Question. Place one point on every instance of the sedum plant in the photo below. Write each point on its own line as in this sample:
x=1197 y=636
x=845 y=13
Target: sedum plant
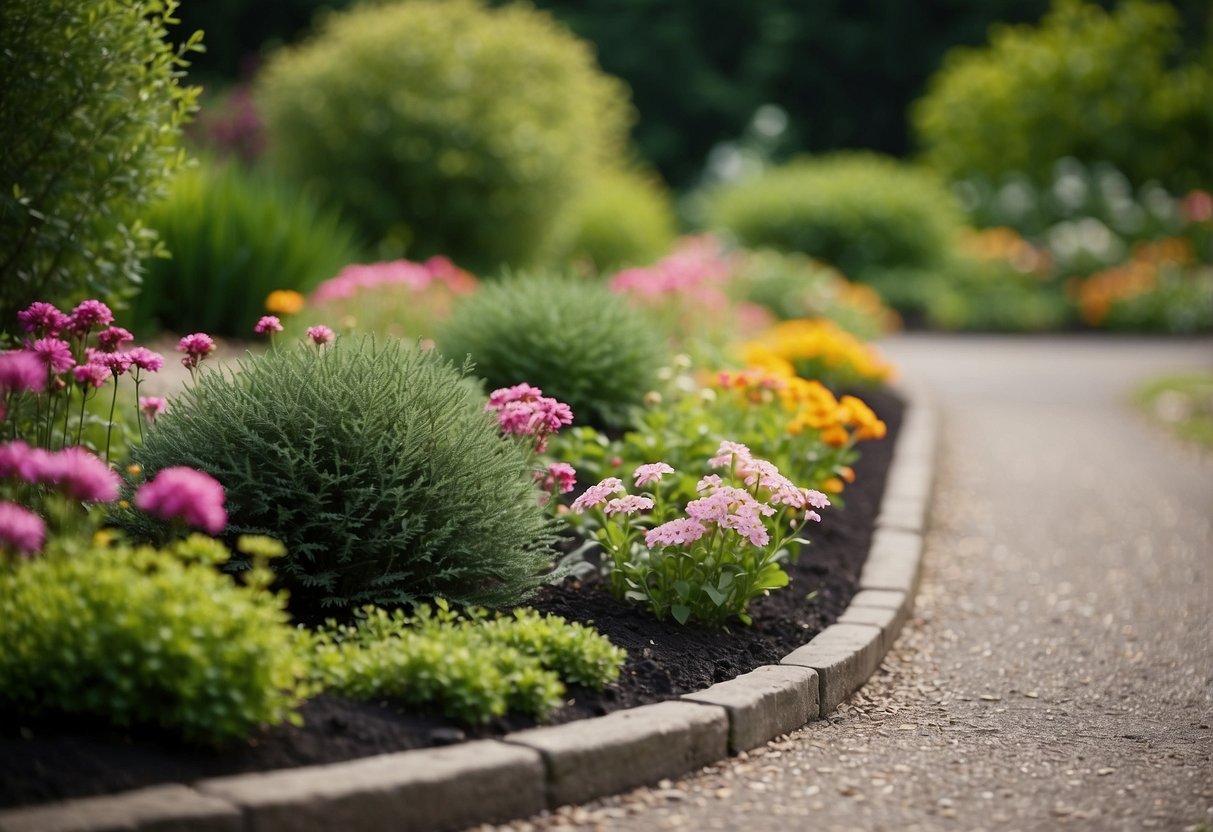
x=374 y=463
x=576 y=340
x=91 y=107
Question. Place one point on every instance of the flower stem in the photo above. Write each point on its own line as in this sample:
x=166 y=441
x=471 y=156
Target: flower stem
x=110 y=429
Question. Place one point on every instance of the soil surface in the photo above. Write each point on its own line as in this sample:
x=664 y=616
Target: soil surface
x=45 y=762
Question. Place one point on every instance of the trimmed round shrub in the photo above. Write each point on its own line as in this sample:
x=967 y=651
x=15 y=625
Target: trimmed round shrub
x=233 y=237
x=620 y=219
x=860 y=212
x=141 y=636
x=444 y=127
x=90 y=115
x=1096 y=85
x=575 y=340
x=375 y=464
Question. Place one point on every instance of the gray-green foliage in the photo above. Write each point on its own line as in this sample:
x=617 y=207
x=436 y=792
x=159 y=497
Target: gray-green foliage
x=575 y=340
x=143 y=636
x=90 y=113
x=376 y=466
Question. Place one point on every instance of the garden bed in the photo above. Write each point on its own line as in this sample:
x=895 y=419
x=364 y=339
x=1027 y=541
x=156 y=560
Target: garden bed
x=53 y=760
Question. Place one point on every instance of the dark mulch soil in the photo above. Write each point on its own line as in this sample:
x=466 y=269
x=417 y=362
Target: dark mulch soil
x=67 y=759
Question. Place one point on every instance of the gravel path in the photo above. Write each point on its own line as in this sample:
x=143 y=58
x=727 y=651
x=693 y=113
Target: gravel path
x=1059 y=670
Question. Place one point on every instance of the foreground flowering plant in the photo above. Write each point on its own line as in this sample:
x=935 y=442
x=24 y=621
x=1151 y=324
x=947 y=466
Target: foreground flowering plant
x=707 y=561
x=524 y=412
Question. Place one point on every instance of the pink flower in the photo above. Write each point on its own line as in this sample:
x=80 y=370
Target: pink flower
x=116 y=362
x=112 y=338
x=196 y=346
x=18 y=460
x=710 y=481
x=21 y=371
x=151 y=407
x=89 y=314
x=652 y=472
x=560 y=478
x=20 y=529
x=675 y=533
x=523 y=410
x=91 y=374
x=43 y=319
x=518 y=393
x=145 y=359
x=728 y=452
x=83 y=476
x=718 y=505
x=268 y=324
x=748 y=526
x=628 y=504
x=186 y=494
x=815 y=499
x=55 y=353
x=596 y=494
x=1197 y=206
x=320 y=334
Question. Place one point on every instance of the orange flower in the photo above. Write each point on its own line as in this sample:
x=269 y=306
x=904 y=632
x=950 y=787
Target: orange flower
x=284 y=302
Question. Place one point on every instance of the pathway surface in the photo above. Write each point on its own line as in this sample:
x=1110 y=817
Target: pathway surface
x=1058 y=673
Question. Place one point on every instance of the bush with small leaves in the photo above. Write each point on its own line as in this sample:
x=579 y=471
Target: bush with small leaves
x=620 y=218
x=374 y=463
x=136 y=636
x=576 y=340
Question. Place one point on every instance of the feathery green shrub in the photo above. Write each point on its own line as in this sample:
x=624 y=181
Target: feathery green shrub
x=621 y=218
x=91 y=107
x=575 y=340
x=141 y=636
x=233 y=237
x=443 y=126
x=860 y=212
x=374 y=463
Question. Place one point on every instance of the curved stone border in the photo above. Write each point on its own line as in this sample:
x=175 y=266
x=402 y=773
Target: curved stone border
x=526 y=772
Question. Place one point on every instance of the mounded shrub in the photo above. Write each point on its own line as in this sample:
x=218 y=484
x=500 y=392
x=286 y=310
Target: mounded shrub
x=444 y=127
x=233 y=237
x=621 y=218
x=88 y=142
x=1096 y=85
x=374 y=463
x=142 y=636
x=860 y=212
x=575 y=340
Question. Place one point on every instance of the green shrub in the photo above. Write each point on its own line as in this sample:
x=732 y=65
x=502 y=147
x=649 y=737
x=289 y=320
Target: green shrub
x=234 y=237
x=468 y=668
x=139 y=636
x=376 y=466
x=1087 y=83
x=90 y=115
x=860 y=212
x=444 y=127
x=620 y=219
x=577 y=341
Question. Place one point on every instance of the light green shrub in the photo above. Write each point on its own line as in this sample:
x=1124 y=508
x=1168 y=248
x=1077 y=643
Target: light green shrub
x=575 y=340
x=1096 y=85
x=90 y=116
x=621 y=218
x=233 y=237
x=376 y=466
x=140 y=636
x=860 y=212
x=444 y=127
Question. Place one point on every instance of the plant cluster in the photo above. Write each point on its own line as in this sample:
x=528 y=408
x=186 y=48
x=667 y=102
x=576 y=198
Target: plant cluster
x=471 y=667
x=818 y=349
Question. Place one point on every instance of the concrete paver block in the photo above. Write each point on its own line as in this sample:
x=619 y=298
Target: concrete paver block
x=769 y=701
x=625 y=749
x=893 y=561
x=844 y=656
x=909 y=480
x=430 y=789
x=905 y=513
x=886 y=620
x=899 y=603
x=155 y=809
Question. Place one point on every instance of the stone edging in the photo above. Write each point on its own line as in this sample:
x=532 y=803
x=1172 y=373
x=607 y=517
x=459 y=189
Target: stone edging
x=529 y=771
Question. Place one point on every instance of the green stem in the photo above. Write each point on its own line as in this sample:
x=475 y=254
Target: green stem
x=138 y=414
x=80 y=427
x=110 y=429
x=67 y=412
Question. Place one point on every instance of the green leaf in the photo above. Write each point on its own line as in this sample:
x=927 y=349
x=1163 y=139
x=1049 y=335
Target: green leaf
x=681 y=613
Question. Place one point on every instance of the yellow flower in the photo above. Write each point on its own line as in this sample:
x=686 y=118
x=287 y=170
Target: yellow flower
x=284 y=302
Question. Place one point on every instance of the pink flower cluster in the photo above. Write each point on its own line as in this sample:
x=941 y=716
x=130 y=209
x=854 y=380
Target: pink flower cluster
x=74 y=471
x=21 y=371
x=185 y=494
x=21 y=530
x=403 y=273
x=523 y=410
x=320 y=335
x=652 y=472
x=196 y=346
x=758 y=473
x=268 y=325
x=597 y=494
x=559 y=478
x=151 y=407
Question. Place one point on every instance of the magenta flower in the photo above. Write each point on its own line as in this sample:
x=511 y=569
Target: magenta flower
x=596 y=494
x=20 y=529
x=523 y=410
x=675 y=533
x=502 y=396
x=87 y=315
x=320 y=335
x=21 y=371
x=83 y=476
x=652 y=472
x=55 y=353
x=151 y=407
x=268 y=324
x=145 y=359
x=185 y=494
x=43 y=319
x=196 y=346
x=116 y=362
x=19 y=461
x=112 y=338
x=560 y=478
x=628 y=504
x=91 y=374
